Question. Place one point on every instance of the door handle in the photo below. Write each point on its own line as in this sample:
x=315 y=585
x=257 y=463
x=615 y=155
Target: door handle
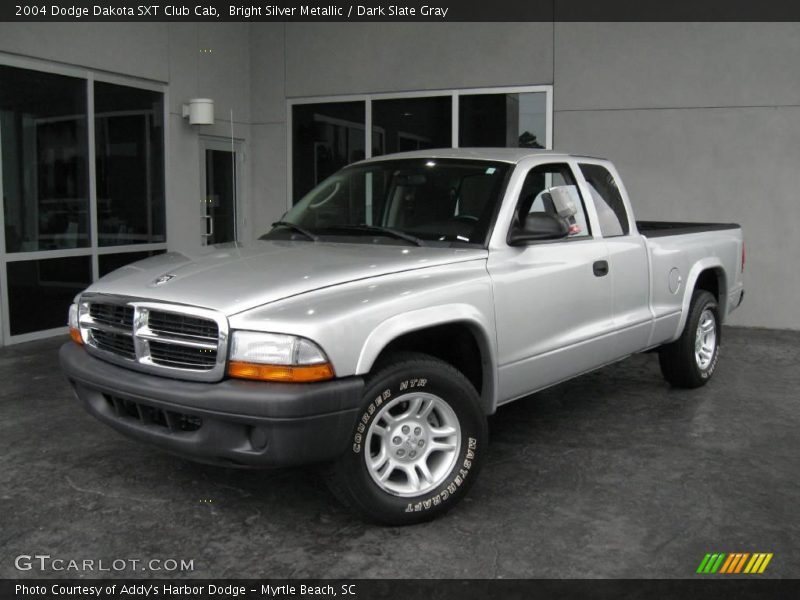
x=209 y=226
x=600 y=268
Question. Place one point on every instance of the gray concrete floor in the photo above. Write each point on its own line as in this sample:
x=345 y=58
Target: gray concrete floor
x=611 y=475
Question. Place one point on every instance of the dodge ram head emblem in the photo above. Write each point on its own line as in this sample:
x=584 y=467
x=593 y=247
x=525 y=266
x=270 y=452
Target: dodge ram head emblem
x=164 y=279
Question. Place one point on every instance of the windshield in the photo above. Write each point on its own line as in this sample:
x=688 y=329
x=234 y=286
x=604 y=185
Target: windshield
x=423 y=201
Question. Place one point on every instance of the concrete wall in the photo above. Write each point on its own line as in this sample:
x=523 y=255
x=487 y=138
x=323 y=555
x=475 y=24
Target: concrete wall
x=703 y=121
x=350 y=58
x=269 y=143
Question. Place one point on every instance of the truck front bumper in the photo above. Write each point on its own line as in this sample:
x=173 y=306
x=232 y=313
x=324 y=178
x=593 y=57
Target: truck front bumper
x=232 y=422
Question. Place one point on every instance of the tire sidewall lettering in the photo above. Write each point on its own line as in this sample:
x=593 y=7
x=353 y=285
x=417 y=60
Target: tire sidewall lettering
x=450 y=488
x=361 y=426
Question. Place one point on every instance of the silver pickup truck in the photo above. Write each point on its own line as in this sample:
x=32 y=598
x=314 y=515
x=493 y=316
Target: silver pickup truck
x=393 y=308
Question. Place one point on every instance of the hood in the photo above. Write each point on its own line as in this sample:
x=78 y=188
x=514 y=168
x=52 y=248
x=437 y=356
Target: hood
x=232 y=278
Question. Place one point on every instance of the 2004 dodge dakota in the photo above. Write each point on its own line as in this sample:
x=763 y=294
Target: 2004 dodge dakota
x=393 y=308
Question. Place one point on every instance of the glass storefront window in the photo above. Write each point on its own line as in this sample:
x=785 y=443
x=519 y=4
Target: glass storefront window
x=326 y=137
x=44 y=160
x=330 y=135
x=503 y=120
x=47 y=197
x=111 y=262
x=129 y=151
x=403 y=124
x=40 y=291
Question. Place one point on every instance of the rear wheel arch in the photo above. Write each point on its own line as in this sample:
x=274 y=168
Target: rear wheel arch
x=708 y=275
x=712 y=280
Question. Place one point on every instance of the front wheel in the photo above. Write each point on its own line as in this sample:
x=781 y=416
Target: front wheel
x=418 y=444
x=690 y=361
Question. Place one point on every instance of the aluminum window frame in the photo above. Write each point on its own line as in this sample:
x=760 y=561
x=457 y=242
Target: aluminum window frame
x=93 y=251
x=454 y=93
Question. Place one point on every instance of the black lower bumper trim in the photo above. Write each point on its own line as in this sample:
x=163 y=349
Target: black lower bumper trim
x=239 y=423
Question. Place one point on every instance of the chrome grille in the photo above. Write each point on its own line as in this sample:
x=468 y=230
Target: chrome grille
x=180 y=356
x=165 y=339
x=118 y=343
x=182 y=325
x=115 y=315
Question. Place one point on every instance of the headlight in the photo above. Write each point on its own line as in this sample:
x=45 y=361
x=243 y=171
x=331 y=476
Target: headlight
x=277 y=357
x=74 y=326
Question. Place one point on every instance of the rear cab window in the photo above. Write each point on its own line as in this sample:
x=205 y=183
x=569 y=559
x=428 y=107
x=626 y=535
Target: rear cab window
x=608 y=202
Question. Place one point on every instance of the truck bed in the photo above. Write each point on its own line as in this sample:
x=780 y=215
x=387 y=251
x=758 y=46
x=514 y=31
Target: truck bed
x=653 y=229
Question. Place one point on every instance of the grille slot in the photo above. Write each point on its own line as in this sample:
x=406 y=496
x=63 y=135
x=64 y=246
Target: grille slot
x=184 y=326
x=113 y=315
x=182 y=357
x=118 y=343
x=150 y=415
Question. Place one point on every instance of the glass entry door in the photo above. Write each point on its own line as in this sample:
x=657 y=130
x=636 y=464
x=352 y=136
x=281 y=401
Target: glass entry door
x=219 y=173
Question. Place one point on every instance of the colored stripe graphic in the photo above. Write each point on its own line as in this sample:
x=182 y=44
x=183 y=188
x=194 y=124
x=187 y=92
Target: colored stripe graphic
x=711 y=563
x=727 y=564
x=767 y=558
x=730 y=565
x=703 y=563
x=740 y=564
x=734 y=563
x=717 y=563
x=754 y=563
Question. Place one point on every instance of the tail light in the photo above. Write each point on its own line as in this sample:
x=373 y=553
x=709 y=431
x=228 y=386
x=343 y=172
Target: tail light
x=744 y=256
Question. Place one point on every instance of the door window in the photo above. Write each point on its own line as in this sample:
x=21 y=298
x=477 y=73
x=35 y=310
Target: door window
x=220 y=199
x=607 y=200
x=535 y=197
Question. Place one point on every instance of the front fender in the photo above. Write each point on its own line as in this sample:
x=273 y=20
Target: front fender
x=445 y=314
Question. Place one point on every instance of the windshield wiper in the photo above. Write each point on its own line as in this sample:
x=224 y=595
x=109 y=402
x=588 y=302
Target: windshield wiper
x=401 y=235
x=296 y=228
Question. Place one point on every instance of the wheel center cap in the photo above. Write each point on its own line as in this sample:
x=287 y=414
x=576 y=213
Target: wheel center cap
x=409 y=440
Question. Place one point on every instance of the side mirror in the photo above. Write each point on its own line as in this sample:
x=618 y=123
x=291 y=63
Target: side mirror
x=563 y=201
x=537 y=227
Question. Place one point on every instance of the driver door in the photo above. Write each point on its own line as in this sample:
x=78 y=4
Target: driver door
x=553 y=298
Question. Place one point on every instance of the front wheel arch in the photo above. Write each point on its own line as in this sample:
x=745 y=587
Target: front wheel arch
x=413 y=331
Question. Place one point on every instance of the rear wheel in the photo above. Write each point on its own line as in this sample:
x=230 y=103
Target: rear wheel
x=418 y=444
x=690 y=361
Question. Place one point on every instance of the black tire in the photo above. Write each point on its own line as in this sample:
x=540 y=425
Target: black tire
x=679 y=364
x=400 y=377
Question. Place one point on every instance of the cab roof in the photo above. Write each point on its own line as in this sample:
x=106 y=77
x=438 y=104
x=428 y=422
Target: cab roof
x=509 y=155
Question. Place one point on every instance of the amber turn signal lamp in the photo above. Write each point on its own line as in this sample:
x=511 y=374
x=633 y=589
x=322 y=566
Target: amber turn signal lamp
x=301 y=374
x=75 y=334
